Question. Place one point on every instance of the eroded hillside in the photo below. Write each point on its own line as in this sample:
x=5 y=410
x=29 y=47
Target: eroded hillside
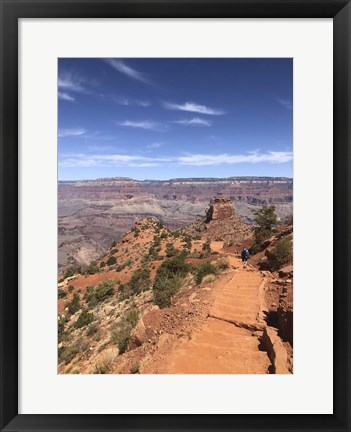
x=94 y=213
x=174 y=302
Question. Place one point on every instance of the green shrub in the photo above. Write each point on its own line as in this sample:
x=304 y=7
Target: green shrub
x=102 y=264
x=111 y=260
x=170 y=250
x=92 y=269
x=121 y=331
x=84 y=319
x=124 y=292
x=69 y=272
x=70 y=288
x=92 y=329
x=140 y=281
x=203 y=270
x=74 y=305
x=89 y=297
x=281 y=253
x=168 y=280
x=206 y=247
x=166 y=288
x=61 y=293
x=104 y=290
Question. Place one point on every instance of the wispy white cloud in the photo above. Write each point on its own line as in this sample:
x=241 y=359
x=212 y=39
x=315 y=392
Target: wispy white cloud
x=286 y=103
x=81 y=160
x=196 y=121
x=122 y=67
x=145 y=124
x=66 y=96
x=63 y=133
x=71 y=82
x=132 y=102
x=228 y=159
x=193 y=107
x=154 y=145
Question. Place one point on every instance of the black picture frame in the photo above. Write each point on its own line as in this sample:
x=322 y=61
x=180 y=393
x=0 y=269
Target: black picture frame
x=11 y=11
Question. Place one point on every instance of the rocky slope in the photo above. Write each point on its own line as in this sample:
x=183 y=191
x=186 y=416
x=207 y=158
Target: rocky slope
x=92 y=214
x=224 y=317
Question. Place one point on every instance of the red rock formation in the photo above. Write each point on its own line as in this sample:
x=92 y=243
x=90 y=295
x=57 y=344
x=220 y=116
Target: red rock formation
x=222 y=208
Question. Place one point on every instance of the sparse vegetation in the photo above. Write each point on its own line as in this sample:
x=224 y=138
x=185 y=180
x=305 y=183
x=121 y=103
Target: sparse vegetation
x=168 y=280
x=111 y=260
x=104 y=363
x=70 y=288
x=84 y=319
x=206 y=247
x=140 y=281
x=222 y=263
x=61 y=293
x=104 y=290
x=66 y=354
x=92 y=329
x=121 y=331
x=281 y=253
x=74 y=305
x=92 y=269
x=203 y=270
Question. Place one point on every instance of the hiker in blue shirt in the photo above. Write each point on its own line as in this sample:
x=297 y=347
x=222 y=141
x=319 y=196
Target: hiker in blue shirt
x=244 y=255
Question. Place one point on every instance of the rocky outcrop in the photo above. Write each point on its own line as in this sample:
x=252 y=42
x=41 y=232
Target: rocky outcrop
x=221 y=208
x=285 y=314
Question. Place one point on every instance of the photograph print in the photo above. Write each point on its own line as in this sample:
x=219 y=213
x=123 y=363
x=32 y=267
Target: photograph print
x=175 y=216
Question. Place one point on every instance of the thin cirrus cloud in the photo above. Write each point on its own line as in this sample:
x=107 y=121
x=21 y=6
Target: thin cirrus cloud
x=154 y=145
x=286 y=103
x=193 y=107
x=69 y=83
x=228 y=159
x=66 y=96
x=122 y=160
x=196 y=121
x=132 y=102
x=64 y=133
x=122 y=67
x=145 y=124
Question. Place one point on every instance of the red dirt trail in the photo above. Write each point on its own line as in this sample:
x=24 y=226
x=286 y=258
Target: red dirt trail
x=227 y=342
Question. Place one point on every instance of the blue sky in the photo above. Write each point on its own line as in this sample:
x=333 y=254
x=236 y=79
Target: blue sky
x=167 y=118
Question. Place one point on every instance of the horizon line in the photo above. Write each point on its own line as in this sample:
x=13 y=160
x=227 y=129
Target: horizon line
x=178 y=178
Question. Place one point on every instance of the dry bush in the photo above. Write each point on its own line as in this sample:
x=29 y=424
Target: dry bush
x=208 y=279
x=222 y=263
x=104 y=362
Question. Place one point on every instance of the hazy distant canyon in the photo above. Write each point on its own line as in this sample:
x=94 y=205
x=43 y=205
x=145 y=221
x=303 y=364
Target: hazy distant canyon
x=94 y=213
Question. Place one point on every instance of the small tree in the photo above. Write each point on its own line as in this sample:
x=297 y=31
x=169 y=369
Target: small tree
x=265 y=219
